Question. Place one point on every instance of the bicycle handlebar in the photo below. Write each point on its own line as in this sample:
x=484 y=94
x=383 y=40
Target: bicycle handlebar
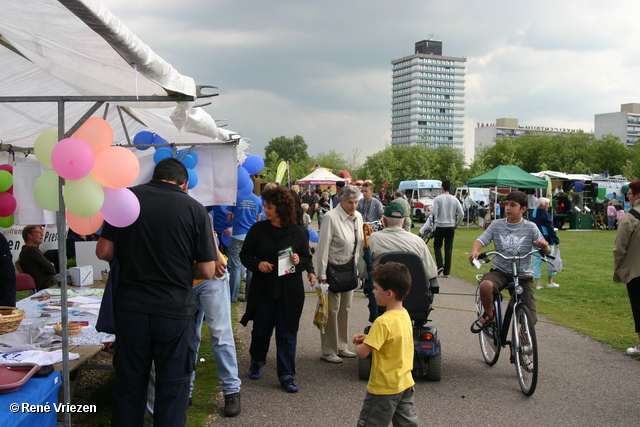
x=485 y=255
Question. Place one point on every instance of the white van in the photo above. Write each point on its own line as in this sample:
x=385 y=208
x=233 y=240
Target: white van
x=421 y=193
x=477 y=194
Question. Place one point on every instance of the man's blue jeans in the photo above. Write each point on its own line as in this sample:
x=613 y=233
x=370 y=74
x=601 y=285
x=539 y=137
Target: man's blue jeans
x=212 y=300
x=235 y=268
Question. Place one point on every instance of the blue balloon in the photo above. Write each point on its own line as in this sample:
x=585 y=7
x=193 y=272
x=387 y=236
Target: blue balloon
x=161 y=154
x=313 y=235
x=193 y=179
x=157 y=139
x=246 y=190
x=190 y=160
x=143 y=138
x=253 y=164
x=243 y=177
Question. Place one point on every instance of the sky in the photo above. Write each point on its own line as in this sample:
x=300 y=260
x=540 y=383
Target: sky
x=322 y=69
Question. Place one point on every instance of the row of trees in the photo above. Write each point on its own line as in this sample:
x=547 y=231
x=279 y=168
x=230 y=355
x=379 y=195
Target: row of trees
x=533 y=152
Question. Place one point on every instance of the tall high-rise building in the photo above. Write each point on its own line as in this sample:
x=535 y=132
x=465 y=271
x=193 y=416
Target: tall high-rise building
x=624 y=124
x=428 y=97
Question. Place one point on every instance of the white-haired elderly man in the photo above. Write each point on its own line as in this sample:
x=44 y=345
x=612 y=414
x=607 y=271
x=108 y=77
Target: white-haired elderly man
x=394 y=238
x=341 y=241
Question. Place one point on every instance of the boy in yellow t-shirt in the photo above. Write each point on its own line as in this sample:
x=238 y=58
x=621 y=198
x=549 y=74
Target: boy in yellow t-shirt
x=390 y=389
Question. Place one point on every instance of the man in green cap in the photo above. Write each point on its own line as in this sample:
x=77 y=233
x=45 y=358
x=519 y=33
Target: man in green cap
x=394 y=238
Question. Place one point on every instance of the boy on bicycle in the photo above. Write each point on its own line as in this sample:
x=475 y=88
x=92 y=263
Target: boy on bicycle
x=390 y=390
x=512 y=235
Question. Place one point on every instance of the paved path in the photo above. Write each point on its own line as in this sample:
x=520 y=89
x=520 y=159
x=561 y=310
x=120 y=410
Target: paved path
x=581 y=381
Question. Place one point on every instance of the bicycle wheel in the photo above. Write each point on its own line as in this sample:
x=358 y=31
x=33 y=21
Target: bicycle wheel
x=527 y=351
x=489 y=339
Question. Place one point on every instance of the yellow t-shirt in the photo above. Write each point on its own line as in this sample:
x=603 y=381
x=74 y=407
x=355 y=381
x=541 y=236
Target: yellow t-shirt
x=391 y=337
x=196 y=281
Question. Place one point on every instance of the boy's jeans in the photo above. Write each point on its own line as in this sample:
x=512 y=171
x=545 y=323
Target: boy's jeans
x=212 y=300
x=235 y=268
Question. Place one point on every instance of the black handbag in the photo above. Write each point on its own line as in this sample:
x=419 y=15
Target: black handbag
x=344 y=277
x=107 y=315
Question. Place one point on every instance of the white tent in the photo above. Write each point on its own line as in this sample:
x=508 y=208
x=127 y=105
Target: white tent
x=64 y=60
x=77 y=47
x=320 y=176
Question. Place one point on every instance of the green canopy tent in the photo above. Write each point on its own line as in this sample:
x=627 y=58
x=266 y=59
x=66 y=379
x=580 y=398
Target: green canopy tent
x=507 y=176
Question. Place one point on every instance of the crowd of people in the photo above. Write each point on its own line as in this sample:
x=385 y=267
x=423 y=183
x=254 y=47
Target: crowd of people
x=175 y=275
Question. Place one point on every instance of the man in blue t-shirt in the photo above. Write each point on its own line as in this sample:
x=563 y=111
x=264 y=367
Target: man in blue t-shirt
x=578 y=190
x=242 y=216
x=220 y=224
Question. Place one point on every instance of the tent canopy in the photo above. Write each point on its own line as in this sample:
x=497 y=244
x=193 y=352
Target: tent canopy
x=507 y=176
x=78 y=48
x=320 y=176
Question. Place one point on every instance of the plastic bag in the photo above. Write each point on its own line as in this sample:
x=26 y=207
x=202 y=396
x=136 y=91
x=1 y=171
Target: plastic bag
x=321 y=316
x=556 y=263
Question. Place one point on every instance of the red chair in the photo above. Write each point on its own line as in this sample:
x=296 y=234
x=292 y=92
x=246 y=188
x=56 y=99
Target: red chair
x=19 y=267
x=24 y=282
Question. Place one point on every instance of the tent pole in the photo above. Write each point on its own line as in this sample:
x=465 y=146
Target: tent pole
x=62 y=262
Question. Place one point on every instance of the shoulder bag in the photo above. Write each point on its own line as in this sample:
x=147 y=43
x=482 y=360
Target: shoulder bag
x=344 y=277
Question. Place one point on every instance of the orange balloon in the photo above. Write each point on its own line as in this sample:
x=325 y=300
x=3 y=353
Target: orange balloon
x=116 y=167
x=96 y=132
x=84 y=225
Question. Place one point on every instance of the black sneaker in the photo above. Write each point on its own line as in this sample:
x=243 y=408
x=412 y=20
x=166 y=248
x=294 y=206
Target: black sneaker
x=254 y=371
x=290 y=386
x=232 y=404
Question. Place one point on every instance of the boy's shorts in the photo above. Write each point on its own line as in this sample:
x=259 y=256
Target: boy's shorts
x=382 y=410
x=501 y=280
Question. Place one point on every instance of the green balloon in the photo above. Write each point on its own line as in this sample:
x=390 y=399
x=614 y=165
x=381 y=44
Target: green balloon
x=45 y=191
x=6 y=221
x=6 y=180
x=83 y=197
x=44 y=146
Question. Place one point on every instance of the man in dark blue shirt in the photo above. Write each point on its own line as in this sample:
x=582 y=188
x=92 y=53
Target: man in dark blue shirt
x=169 y=245
x=578 y=189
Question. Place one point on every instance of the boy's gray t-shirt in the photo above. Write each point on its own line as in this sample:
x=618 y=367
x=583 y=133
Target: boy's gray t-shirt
x=512 y=239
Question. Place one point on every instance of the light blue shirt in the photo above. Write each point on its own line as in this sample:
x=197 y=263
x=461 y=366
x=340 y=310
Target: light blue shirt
x=511 y=239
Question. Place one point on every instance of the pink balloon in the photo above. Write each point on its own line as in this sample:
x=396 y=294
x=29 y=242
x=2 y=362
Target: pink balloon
x=116 y=167
x=121 y=207
x=72 y=158
x=96 y=132
x=6 y=167
x=84 y=225
x=8 y=204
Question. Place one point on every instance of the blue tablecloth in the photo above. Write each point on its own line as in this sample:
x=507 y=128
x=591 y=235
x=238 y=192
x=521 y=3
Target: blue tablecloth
x=89 y=335
x=36 y=391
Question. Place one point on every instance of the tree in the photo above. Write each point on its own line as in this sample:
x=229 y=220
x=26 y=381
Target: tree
x=570 y=153
x=290 y=149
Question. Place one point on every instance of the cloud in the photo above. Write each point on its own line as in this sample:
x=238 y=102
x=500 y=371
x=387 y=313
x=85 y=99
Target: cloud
x=323 y=69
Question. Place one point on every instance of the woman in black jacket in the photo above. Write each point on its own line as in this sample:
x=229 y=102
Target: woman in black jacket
x=277 y=252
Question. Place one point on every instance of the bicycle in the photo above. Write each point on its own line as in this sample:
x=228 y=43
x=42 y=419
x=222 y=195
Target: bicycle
x=493 y=336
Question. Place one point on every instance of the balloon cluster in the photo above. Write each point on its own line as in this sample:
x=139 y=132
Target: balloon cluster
x=252 y=165
x=96 y=175
x=190 y=159
x=8 y=203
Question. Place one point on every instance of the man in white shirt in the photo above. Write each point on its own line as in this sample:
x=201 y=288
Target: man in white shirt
x=447 y=214
x=369 y=207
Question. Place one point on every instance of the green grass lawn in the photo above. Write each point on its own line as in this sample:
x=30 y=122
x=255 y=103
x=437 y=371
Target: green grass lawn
x=588 y=299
